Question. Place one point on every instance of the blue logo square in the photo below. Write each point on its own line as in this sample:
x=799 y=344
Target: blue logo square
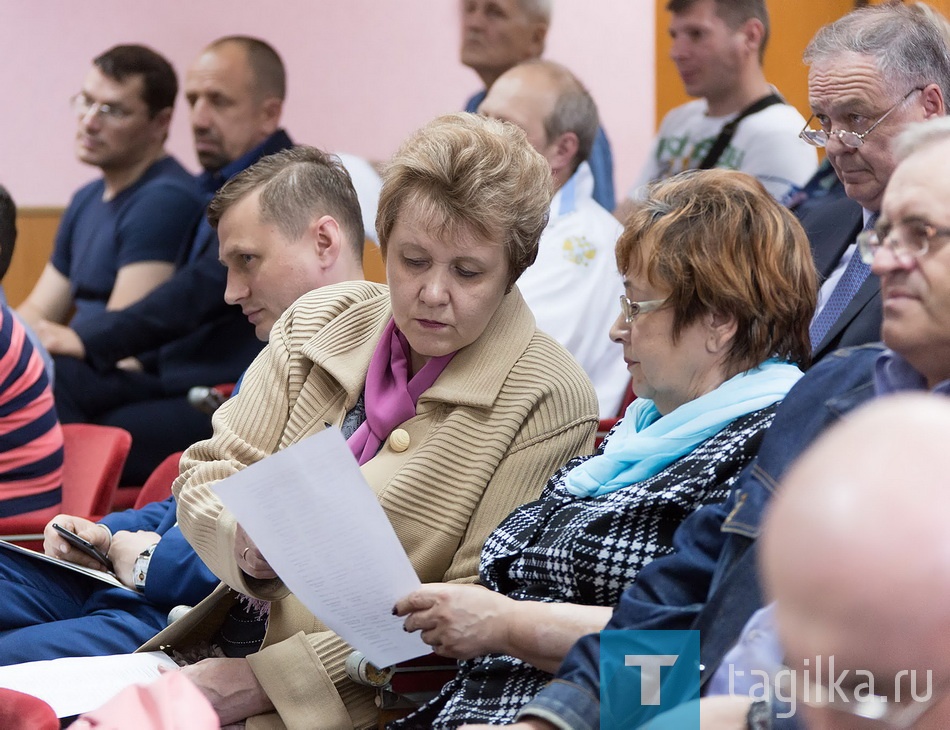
x=646 y=673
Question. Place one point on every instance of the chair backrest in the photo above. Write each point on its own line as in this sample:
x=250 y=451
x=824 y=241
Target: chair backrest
x=19 y=711
x=374 y=268
x=158 y=486
x=93 y=457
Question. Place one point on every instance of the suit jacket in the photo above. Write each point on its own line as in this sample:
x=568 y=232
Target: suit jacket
x=832 y=225
x=202 y=338
x=176 y=575
x=507 y=411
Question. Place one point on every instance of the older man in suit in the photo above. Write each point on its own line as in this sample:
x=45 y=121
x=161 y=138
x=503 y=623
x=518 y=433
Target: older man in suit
x=861 y=98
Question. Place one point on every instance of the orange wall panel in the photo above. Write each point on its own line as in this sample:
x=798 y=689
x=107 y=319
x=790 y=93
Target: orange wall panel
x=36 y=228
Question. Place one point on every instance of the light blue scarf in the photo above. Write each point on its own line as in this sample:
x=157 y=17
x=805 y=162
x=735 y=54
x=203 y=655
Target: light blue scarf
x=645 y=442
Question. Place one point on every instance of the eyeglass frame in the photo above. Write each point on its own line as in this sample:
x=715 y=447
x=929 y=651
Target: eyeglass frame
x=630 y=309
x=858 y=137
x=871 y=241
x=874 y=707
x=82 y=105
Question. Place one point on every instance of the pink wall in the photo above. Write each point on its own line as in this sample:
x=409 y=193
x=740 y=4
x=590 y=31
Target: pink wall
x=362 y=73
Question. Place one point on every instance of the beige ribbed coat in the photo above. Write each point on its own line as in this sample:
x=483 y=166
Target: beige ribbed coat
x=503 y=416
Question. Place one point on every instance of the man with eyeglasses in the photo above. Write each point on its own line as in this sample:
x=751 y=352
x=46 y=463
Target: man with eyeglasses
x=183 y=333
x=121 y=234
x=871 y=73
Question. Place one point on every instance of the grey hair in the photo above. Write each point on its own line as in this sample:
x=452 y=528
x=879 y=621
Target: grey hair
x=907 y=47
x=574 y=110
x=537 y=9
x=920 y=135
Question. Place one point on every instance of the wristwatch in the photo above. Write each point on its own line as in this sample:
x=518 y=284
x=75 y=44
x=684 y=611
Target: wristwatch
x=140 y=568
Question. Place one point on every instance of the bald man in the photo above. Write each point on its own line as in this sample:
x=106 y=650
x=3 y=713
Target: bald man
x=499 y=34
x=856 y=553
x=573 y=285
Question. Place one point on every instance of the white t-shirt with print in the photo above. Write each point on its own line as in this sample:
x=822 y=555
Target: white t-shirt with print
x=573 y=288
x=765 y=145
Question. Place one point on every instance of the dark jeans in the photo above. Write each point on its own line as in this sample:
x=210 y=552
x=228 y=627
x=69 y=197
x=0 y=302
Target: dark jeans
x=160 y=424
x=50 y=612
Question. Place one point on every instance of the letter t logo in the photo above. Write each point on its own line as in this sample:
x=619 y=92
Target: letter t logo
x=650 y=665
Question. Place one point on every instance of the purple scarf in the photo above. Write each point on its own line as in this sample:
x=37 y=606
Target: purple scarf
x=390 y=395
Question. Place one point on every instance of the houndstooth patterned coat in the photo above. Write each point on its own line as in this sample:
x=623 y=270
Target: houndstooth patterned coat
x=568 y=549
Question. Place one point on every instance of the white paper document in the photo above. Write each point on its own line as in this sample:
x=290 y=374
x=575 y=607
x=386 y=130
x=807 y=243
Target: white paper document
x=75 y=685
x=318 y=523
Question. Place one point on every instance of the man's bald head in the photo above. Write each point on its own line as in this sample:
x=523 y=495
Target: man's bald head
x=554 y=109
x=855 y=549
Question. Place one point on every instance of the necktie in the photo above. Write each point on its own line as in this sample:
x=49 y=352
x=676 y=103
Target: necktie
x=854 y=275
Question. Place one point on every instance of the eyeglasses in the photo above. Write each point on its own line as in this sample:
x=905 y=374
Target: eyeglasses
x=819 y=137
x=82 y=105
x=909 y=239
x=899 y=712
x=632 y=309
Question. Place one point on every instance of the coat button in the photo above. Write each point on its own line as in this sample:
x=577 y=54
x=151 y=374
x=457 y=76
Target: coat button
x=399 y=440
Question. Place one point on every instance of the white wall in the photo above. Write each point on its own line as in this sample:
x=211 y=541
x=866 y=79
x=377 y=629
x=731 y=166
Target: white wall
x=362 y=73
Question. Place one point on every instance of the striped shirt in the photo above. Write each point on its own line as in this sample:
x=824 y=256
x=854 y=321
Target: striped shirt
x=31 y=440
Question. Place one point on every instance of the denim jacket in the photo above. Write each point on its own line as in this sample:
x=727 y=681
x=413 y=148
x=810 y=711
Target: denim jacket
x=710 y=582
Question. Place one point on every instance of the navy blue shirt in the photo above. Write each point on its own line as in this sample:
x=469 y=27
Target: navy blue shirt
x=151 y=220
x=201 y=338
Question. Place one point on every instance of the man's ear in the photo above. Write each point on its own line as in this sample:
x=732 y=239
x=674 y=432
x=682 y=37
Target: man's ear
x=565 y=152
x=753 y=33
x=933 y=102
x=271 y=109
x=327 y=239
x=161 y=122
x=721 y=329
x=538 y=34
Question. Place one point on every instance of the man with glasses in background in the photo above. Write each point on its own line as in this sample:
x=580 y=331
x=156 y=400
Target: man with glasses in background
x=871 y=73
x=121 y=234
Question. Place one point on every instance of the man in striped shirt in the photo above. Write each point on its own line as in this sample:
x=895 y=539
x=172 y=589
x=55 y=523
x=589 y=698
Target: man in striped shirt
x=31 y=441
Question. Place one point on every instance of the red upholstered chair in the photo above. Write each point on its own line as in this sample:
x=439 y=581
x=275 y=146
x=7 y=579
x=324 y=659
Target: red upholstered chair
x=19 y=711
x=93 y=457
x=158 y=486
x=92 y=464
